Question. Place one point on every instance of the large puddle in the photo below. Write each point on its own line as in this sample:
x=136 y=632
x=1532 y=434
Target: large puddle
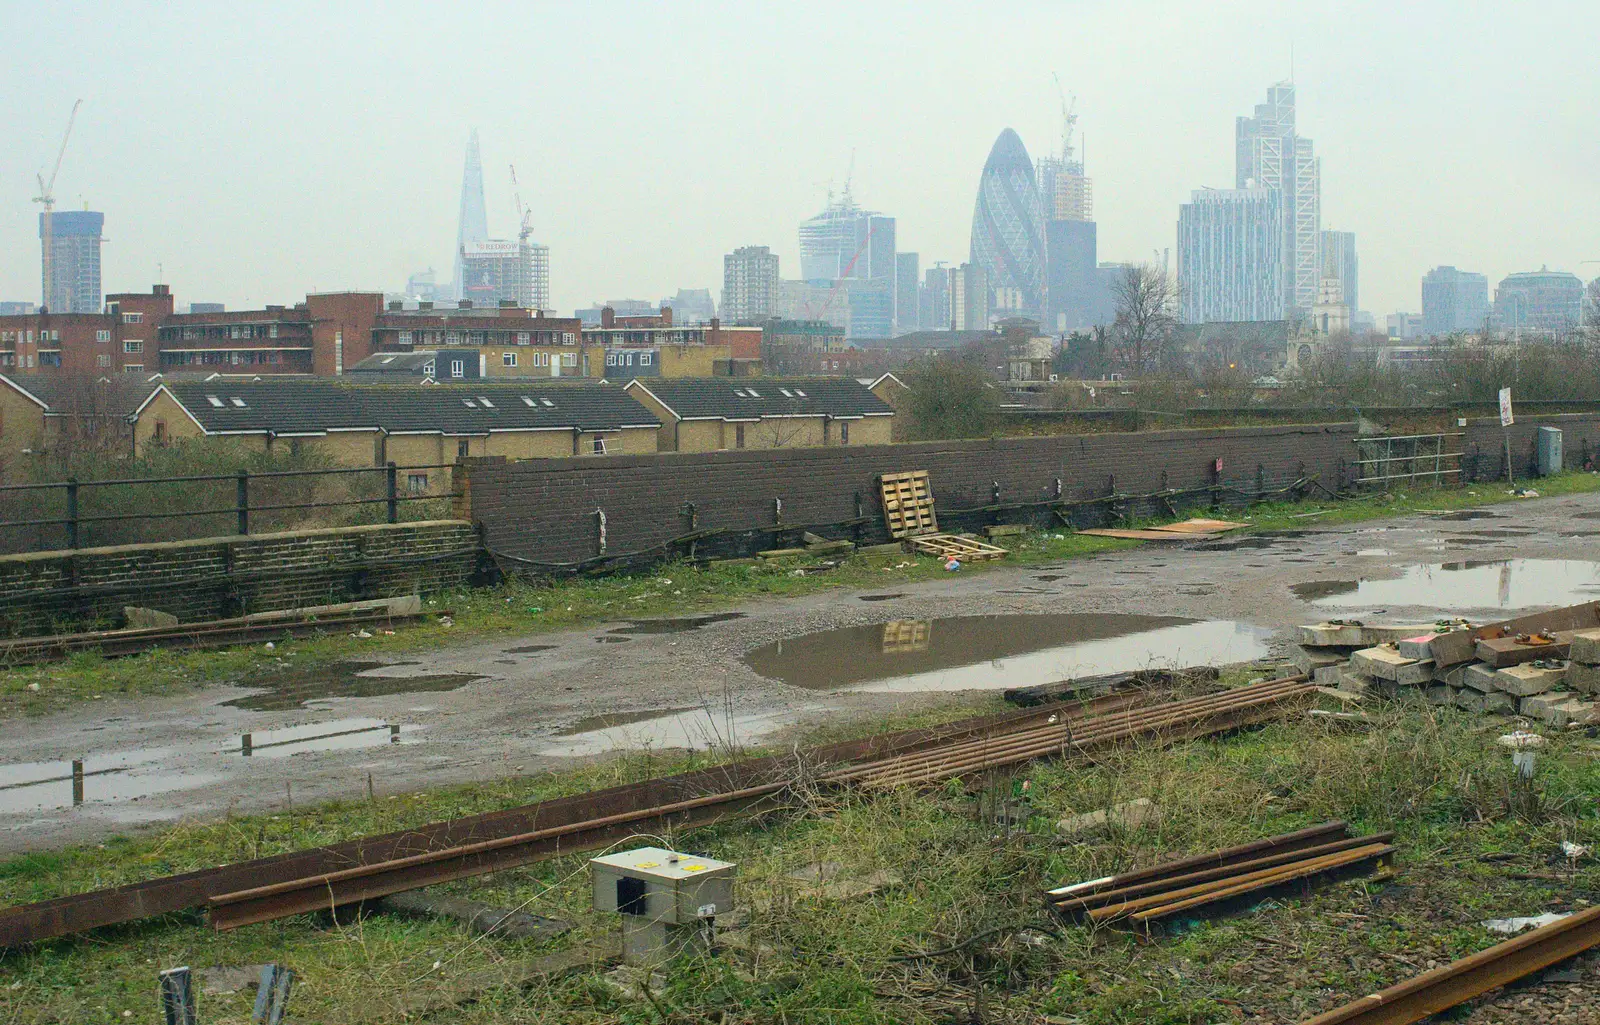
x=991 y=652
x=123 y=776
x=659 y=728
x=1500 y=584
x=288 y=687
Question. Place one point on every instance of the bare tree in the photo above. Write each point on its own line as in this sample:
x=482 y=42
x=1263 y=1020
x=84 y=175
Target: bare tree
x=1147 y=316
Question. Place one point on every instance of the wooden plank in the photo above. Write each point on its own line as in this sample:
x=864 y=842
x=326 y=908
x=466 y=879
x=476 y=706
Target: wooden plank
x=1460 y=645
x=1199 y=525
x=1147 y=535
x=949 y=546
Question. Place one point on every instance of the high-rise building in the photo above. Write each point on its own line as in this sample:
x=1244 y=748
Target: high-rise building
x=1230 y=256
x=749 y=285
x=1008 y=235
x=845 y=241
x=17 y=309
x=70 y=271
x=496 y=271
x=1339 y=262
x=970 y=293
x=1453 y=300
x=907 y=307
x=1269 y=154
x=1076 y=298
x=691 y=306
x=871 y=304
x=473 y=224
x=933 y=299
x=1543 y=301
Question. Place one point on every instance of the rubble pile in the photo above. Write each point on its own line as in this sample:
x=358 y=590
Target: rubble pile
x=1514 y=668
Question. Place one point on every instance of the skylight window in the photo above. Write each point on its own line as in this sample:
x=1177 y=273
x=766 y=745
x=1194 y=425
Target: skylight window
x=752 y=393
x=800 y=393
x=485 y=400
x=787 y=393
x=387 y=360
x=237 y=401
x=214 y=401
x=547 y=402
x=739 y=392
x=469 y=403
x=527 y=401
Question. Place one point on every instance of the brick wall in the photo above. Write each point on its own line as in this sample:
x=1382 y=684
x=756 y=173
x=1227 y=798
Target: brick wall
x=48 y=592
x=545 y=511
x=1484 y=446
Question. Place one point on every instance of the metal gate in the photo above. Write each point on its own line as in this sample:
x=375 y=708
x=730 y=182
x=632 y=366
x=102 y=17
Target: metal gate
x=1408 y=458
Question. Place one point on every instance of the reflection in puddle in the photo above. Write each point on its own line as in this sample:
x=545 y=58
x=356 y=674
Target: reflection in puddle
x=686 y=728
x=881 y=597
x=606 y=639
x=125 y=776
x=291 y=688
x=1507 y=584
x=591 y=723
x=530 y=649
x=339 y=735
x=678 y=625
x=990 y=652
x=1470 y=514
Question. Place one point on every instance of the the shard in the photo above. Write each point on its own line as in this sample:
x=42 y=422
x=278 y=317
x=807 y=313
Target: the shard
x=474 y=223
x=1008 y=238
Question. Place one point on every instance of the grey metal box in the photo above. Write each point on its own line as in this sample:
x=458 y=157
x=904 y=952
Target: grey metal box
x=1549 y=450
x=678 y=889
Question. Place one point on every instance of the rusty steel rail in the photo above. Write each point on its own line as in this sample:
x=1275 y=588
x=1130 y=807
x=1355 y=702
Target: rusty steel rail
x=63 y=916
x=922 y=765
x=1460 y=981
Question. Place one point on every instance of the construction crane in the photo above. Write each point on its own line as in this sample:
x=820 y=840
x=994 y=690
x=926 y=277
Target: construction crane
x=524 y=215
x=1069 y=120
x=47 y=198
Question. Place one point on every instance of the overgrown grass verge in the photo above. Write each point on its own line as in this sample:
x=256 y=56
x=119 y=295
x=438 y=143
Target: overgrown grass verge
x=1435 y=777
x=518 y=609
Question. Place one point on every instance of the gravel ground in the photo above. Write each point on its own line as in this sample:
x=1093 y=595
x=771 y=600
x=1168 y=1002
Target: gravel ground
x=187 y=749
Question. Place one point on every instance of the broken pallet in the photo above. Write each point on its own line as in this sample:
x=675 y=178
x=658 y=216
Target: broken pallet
x=908 y=503
x=950 y=546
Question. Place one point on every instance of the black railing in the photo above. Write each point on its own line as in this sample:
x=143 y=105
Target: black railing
x=74 y=514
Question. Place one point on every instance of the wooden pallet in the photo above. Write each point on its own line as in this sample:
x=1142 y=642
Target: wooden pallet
x=908 y=503
x=949 y=546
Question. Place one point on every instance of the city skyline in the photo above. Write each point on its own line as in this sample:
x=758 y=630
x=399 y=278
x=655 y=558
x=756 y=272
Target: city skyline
x=350 y=181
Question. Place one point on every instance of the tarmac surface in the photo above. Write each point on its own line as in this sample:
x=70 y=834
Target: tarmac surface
x=485 y=709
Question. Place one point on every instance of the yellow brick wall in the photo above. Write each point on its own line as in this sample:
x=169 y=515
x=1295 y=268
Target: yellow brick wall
x=341 y=448
x=691 y=360
x=782 y=432
x=872 y=430
x=162 y=409
x=528 y=444
x=21 y=425
x=494 y=360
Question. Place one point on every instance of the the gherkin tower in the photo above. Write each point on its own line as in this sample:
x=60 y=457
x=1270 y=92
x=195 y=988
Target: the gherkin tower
x=1008 y=239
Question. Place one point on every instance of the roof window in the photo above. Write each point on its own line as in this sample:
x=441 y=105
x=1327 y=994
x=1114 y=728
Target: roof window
x=387 y=360
x=527 y=401
x=547 y=402
x=214 y=401
x=800 y=393
x=469 y=403
x=752 y=393
x=485 y=400
x=237 y=401
x=787 y=393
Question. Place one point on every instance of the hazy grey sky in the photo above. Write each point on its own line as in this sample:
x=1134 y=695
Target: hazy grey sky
x=259 y=151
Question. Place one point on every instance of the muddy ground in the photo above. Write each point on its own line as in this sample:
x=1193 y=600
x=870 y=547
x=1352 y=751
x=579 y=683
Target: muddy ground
x=485 y=709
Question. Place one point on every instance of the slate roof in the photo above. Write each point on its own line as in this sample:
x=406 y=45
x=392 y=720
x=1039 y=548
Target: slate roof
x=316 y=406
x=750 y=398
x=410 y=363
x=116 y=394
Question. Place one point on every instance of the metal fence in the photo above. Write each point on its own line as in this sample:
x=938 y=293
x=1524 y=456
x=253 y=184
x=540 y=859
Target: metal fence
x=1407 y=458
x=71 y=514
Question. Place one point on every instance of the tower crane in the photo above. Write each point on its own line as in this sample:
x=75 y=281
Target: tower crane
x=524 y=215
x=47 y=199
x=1069 y=120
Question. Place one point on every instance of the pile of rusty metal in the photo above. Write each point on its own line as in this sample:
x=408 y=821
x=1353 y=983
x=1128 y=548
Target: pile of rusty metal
x=359 y=870
x=1148 y=899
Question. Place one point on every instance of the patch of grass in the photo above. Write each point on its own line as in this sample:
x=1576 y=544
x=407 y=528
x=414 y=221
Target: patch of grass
x=898 y=955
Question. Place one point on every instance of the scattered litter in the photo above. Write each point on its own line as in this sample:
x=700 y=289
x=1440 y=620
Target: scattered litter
x=33 y=687
x=1574 y=851
x=1512 y=926
x=953 y=565
x=269 y=646
x=1129 y=815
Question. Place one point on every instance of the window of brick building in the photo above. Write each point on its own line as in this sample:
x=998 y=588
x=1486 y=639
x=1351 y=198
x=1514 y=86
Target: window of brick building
x=508 y=359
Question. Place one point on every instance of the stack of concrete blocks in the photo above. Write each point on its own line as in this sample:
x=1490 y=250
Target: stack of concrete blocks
x=1399 y=664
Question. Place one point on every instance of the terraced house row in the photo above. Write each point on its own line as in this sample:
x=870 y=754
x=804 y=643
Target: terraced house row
x=350 y=423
